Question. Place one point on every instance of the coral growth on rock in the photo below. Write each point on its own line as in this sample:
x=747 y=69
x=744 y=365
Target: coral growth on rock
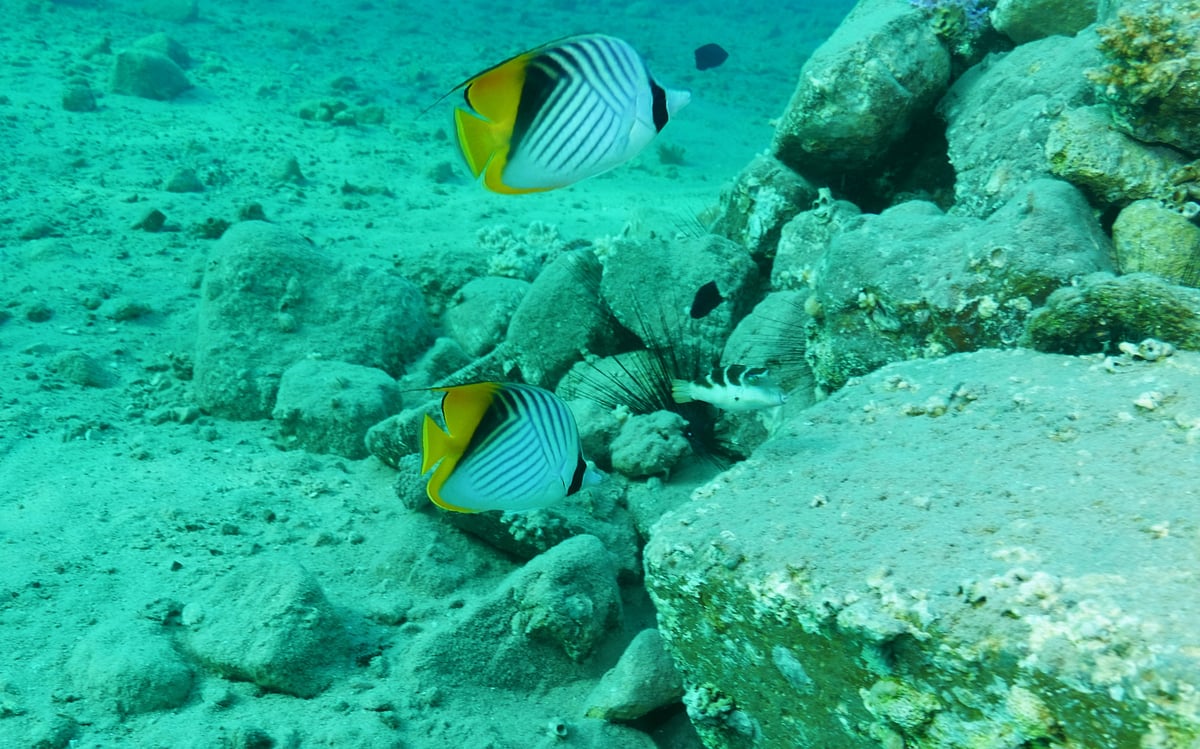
x=1152 y=75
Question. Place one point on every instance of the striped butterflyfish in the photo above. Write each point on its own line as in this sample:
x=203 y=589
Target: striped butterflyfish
x=732 y=388
x=560 y=113
x=506 y=446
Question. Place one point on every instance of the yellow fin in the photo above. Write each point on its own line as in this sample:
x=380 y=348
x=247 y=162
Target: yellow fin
x=463 y=407
x=485 y=132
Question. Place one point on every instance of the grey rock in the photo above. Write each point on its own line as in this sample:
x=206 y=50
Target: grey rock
x=130 y=667
x=269 y=623
x=164 y=44
x=650 y=285
x=803 y=240
x=764 y=197
x=1026 y=20
x=1148 y=237
x=81 y=369
x=328 y=406
x=596 y=511
x=479 y=314
x=148 y=74
x=913 y=282
x=425 y=557
x=78 y=96
x=862 y=90
x=184 y=180
x=644 y=680
x=559 y=318
x=270 y=299
x=650 y=444
x=774 y=335
x=1102 y=310
x=1086 y=148
x=968 y=551
x=398 y=436
x=999 y=114
x=535 y=629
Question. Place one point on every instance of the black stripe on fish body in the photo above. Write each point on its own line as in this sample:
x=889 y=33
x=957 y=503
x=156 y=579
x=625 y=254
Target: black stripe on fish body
x=732 y=375
x=577 y=478
x=542 y=76
x=659 y=105
x=721 y=377
x=574 y=124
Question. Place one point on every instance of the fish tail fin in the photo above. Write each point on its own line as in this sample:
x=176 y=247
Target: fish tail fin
x=681 y=391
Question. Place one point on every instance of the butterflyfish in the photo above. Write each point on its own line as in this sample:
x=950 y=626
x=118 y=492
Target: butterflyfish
x=733 y=388
x=560 y=113
x=506 y=446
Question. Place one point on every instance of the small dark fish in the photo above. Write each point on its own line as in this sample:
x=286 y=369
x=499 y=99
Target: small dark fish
x=710 y=56
x=706 y=300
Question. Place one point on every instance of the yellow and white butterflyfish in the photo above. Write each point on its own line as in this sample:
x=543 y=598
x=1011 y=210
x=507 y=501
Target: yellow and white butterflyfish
x=506 y=446
x=560 y=113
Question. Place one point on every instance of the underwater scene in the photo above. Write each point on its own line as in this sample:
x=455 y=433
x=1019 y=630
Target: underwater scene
x=632 y=375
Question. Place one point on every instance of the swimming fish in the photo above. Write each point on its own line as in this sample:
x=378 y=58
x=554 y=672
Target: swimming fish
x=734 y=388
x=710 y=56
x=707 y=298
x=560 y=113
x=506 y=446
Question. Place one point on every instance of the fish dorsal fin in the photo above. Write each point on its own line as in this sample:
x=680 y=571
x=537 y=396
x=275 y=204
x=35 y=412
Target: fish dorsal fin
x=529 y=53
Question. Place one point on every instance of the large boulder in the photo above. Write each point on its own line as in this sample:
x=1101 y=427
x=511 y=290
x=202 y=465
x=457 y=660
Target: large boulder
x=862 y=90
x=913 y=281
x=986 y=550
x=1000 y=112
x=269 y=299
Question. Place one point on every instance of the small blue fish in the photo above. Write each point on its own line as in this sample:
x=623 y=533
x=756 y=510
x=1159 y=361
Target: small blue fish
x=734 y=388
x=560 y=113
x=506 y=446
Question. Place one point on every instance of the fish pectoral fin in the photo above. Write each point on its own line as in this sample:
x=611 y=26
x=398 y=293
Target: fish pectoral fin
x=435 y=444
x=681 y=391
x=480 y=141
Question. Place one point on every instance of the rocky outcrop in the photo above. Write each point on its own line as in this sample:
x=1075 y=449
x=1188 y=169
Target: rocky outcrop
x=1008 y=574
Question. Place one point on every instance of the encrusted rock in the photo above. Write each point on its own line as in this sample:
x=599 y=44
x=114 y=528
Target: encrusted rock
x=861 y=91
x=761 y=200
x=1151 y=238
x=999 y=114
x=270 y=299
x=1085 y=148
x=1102 y=310
x=885 y=574
x=913 y=282
x=327 y=407
x=650 y=444
x=1026 y=20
